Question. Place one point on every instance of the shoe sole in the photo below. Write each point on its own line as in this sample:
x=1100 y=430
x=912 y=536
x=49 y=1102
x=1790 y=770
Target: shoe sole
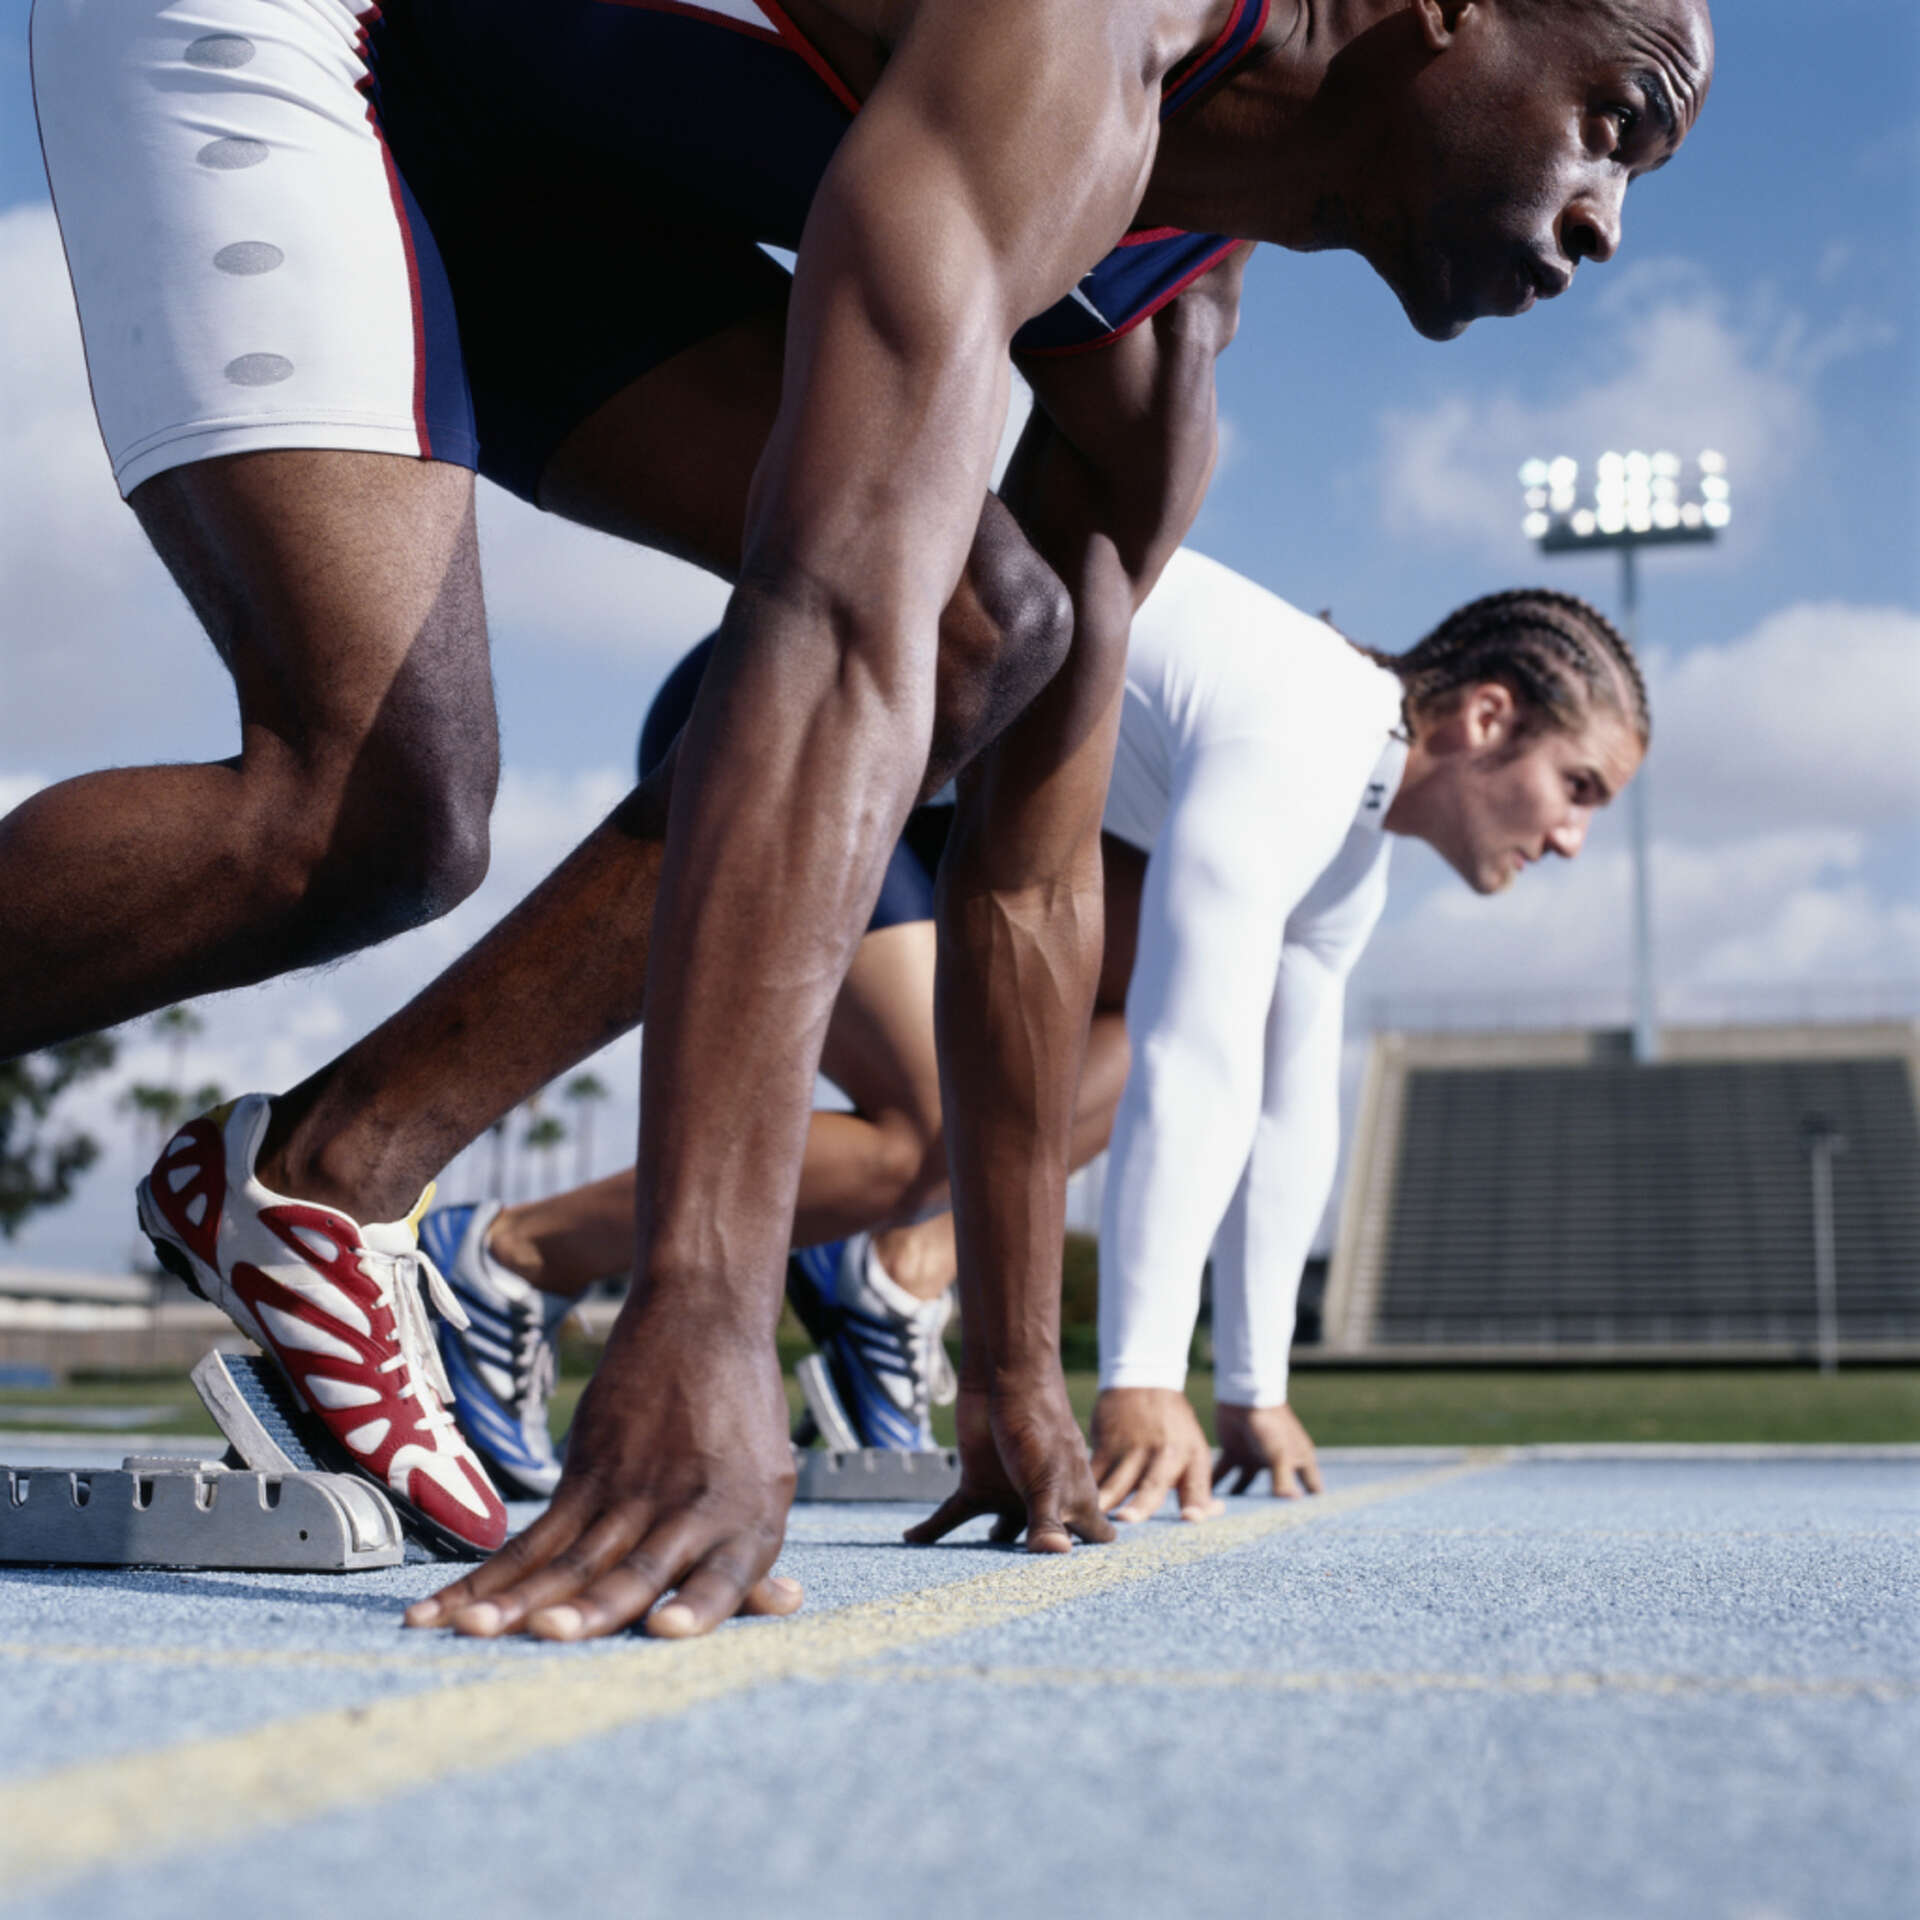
x=184 y=1267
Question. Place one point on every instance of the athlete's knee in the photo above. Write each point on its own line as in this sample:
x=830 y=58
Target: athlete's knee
x=360 y=852
x=908 y=1165
x=1006 y=633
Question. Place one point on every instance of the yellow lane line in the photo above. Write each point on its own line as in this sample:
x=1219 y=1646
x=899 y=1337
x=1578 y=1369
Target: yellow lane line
x=424 y=1661
x=197 y=1794
x=1384 y=1680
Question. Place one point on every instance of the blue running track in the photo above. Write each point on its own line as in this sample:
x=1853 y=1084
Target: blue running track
x=1608 y=1685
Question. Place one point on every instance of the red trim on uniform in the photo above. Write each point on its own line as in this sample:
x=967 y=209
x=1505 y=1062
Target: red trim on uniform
x=1147 y=312
x=780 y=33
x=1144 y=236
x=1195 y=61
x=688 y=11
x=1195 y=64
x=798 y=43
x=364 y=86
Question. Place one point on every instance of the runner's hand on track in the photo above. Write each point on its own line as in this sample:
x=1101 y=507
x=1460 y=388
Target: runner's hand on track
x=1269 y=1439
x=1023 y=1461
x=1147 y=1442
x=678 y=1479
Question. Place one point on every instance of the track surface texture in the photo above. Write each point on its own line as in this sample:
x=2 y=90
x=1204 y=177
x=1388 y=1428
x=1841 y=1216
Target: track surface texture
x=1487 y=1685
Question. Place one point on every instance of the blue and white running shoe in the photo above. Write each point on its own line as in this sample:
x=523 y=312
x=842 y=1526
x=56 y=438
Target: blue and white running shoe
x=886 y=1366
x=501 y=1365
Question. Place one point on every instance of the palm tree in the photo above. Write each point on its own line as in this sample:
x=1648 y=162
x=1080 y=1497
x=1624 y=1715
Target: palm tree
x=498 y=1188
x=545 y=1132
x=584 y=1092
x=176 y=1026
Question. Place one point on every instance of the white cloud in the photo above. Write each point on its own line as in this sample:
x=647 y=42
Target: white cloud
x=102 y=656
x=15 y=787
x=1776 y=910
x=1813 y=719
x=1686 y=373
x=551 y=584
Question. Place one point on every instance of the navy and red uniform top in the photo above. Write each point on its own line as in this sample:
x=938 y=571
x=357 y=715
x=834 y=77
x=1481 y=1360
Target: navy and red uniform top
x=744 y=114
x=587 y=187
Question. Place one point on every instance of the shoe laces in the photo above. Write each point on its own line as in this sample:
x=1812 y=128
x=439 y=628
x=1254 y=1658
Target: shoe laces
x=399 y=1278
x=933 y=1364
x=533 y=1362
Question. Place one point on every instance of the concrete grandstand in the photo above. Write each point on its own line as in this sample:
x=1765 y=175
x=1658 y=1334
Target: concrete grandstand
x=1540 y=1195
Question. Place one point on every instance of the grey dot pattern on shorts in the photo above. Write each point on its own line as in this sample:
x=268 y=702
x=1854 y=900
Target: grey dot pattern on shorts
x=220 y=50
x=259 y=370
x=249 y=256
x=228 y=156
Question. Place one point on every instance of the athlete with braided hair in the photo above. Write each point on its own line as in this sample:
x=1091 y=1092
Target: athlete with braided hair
x=1262 y=761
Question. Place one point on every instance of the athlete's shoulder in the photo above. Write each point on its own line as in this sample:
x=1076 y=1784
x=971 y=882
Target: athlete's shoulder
x=1248 y=638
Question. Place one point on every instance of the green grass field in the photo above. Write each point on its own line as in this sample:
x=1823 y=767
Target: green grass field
x=1348 y=1408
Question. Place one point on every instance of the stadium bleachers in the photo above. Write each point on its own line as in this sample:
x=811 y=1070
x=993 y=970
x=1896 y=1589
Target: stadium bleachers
x=1547 y=1193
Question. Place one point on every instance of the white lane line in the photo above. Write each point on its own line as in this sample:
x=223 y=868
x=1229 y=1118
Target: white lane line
x=141 y=1806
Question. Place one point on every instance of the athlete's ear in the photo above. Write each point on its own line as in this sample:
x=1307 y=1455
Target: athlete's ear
x=1490 y=712
x=1440 y=21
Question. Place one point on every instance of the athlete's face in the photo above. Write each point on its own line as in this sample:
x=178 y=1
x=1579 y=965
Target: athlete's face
x=1526 y=126
x=1503 y=799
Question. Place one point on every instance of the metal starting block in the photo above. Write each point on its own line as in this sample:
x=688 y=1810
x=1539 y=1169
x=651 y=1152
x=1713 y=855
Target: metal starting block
x=279 y=1502
x=169 y=1512
x=269 y=1431
x=841 y=1468
x=875 y=1473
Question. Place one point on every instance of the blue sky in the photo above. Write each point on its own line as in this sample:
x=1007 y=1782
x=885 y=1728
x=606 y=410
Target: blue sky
x=1765 y=301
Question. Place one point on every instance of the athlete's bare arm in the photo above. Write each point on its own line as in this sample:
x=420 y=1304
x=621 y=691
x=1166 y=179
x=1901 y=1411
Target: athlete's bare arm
x=999 y=157
x=1107 y=479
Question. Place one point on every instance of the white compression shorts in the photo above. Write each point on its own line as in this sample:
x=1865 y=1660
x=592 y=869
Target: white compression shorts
x=238 y=236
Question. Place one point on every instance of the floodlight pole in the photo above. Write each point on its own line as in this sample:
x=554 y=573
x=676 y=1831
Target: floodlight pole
x=1646 y=1028
x=1637 y=502
x=1824 y=1140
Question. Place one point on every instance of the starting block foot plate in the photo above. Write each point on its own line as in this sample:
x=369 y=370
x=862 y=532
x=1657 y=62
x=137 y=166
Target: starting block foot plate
x=198 y=1515
x=876 y=1473
x=271 y=1432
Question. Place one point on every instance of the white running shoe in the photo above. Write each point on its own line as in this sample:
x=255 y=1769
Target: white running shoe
x=337 y=1305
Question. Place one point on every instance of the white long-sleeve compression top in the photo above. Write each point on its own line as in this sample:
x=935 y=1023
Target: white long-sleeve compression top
x=1258 y=754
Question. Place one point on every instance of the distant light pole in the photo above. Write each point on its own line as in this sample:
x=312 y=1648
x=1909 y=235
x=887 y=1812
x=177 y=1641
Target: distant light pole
x=1823 y=1140
x=1639 y=500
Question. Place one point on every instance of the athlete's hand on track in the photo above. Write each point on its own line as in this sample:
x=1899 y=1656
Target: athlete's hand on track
x=1271 y=1439
x=1023 y=1461
x=678 y=1479
x=1147 y=1442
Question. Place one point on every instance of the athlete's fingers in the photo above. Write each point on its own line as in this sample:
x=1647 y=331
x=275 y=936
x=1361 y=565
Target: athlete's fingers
x=576 y=1566
x=1310 y=1473
x=1248 y=1475
x=1163 y=1469
x=1121 y=1477
x=1046 y=1530
x=1008 y=1526
x=620 y=1593
x=776 y=1594
x=1197 y=1500
x=555 y=1530
x=1285 y=1486
x=954 y=1511
x=1091 y=1525
x=716 y=1590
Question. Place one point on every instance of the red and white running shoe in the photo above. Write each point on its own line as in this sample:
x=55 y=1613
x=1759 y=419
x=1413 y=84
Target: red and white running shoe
x=338 y=1305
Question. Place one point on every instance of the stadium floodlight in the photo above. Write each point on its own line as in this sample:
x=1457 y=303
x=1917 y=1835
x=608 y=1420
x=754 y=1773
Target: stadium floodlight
x=1638 y=499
